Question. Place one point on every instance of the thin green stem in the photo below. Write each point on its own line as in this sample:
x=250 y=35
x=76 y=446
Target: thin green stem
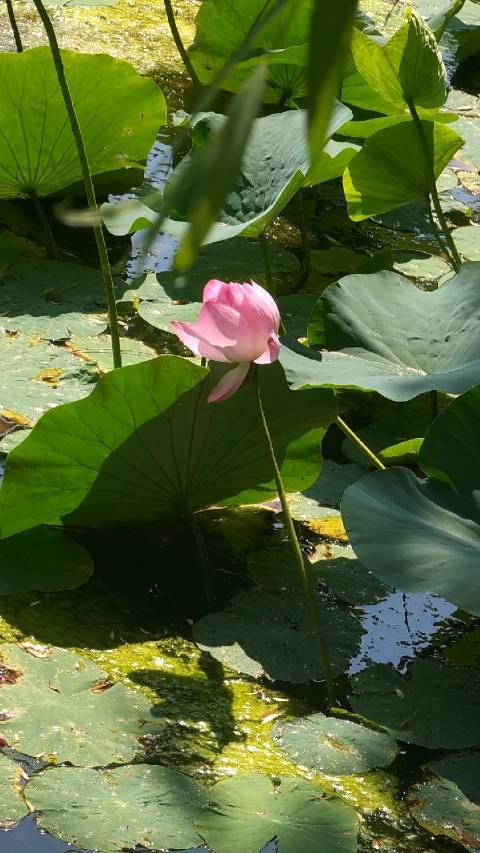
x=179 y=43
x=87 y=181
x=13 y=24
x=304 y=576
x=432 y=184
x=360 y=444
x=434 y=404
x=306 y=244
x=50 y=245
x=268 y=272
x=437 y=234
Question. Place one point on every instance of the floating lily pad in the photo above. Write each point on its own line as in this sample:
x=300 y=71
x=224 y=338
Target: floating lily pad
x=12 y=807
x=62 y=708
x=99 y=350
x=422 y=707
x=467 y=241
x=268 y=634
x=52 y=300
x=429 y=524
x=42 y=559
x=336 y=571
x=248 y=810
x=37 y=376
x=117 y=809
x=449 y=803
x=147 y=445
x=162 y=311
x=326 y=492
x=392 y=337
x=334 y=746
x=119 y=112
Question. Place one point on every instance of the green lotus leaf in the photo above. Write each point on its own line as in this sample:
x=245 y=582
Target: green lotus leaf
x=448 y=804
x=59 y=707
x=248 y=810
x=334 y=746
x=388 y=172
x=423 y=706
x=408 y=67
x=37 y=375
x=282 y=45
x=275 y=165
x=430 y=524
x=12 y=807
x=119 y=113
x=42 y=559
x=52 y=299
x=117 y=809
x=146 y=445
x=392 y=337
x=266 y=632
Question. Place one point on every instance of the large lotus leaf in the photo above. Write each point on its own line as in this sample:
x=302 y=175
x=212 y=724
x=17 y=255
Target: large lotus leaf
x=263 y=633
x=449 y=803
x=52 y=299
x=146 y=445
x=42 y=559
x=430 y=525
x=392 y=337
x=275 y=165
x=117 y=809
x=37 y=376
x=389 y=170
x=60 y=707
x=334 y=746
x=248 y=810
x=119 y=113
x=408 y=67
x=424 y=706
x=283 y=45
x=12 y=807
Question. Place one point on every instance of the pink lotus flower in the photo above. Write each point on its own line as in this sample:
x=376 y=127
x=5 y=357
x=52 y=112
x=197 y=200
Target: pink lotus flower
x=238 y=323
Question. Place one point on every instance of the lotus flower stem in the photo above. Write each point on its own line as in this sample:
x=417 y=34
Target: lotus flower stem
x=172 y=23
x=437 y=233
x=87 y=181
x=50 y=244
x=13 y=24
x=456 y=260
x=303 y=574
x=267 y=266
x=360 y=444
